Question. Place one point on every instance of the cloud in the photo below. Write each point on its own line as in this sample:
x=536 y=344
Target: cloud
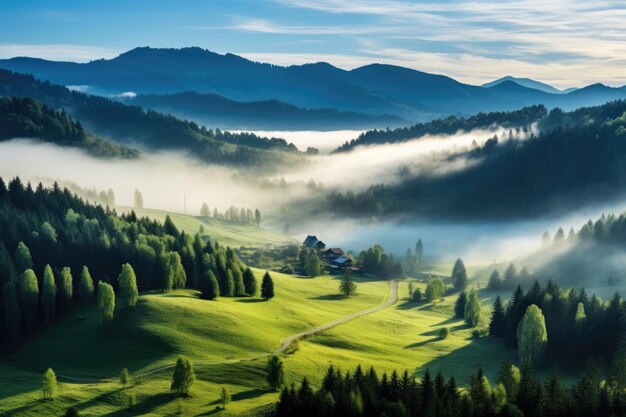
x=57 y=52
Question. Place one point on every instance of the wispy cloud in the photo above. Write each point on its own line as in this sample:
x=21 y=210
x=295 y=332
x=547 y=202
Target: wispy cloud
x=60 y=52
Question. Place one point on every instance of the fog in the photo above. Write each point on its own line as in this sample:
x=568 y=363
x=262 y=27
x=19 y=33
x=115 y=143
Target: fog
x=324 y=141
x=167 y=178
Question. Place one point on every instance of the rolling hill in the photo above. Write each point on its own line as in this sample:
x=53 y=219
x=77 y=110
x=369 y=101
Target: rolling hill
x=525 y=82
x=373 y=89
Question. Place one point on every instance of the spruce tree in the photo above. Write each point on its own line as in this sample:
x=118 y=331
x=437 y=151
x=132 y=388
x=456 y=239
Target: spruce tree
x=23 y=259
x=240 y=289
x=459 y=305
x=472 y=310
x=497 y=325
x=48 y=295
x=249 y=281
x=459 y=275
x=267 y=287
x=495 y=282
x=128 y=291
x=66 y=288
x=12 y=313
x=348 y=286
x=275 y=372
x=229 y=284
x=419 y=252
x=213 y=288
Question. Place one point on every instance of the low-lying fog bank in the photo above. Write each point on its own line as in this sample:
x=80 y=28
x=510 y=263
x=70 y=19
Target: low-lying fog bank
x=325 y=141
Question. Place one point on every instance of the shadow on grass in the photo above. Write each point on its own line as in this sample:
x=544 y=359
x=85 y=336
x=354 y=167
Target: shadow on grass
x=328 y=297
x=435 y=332
x=18 y=410
x=251 y=300
x=451 y=320
x=408 y=305
x=144 y=407
x=422 y=343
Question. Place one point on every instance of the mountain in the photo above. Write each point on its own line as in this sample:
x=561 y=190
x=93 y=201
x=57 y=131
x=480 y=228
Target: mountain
x=147 y=128
x=218 y=111
x=525 y=82
x=373 y=89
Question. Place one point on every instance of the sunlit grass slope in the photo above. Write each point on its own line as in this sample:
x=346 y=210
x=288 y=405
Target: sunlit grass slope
x=227 y=233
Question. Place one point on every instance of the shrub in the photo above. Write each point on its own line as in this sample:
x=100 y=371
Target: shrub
x=444 y=333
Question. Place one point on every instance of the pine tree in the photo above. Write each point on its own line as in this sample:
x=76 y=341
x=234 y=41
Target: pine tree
x=128 y=291
x=229 y=287
x=249 y=281
x=12 y=313
x=85 y=286
x=48 y=295
x=49 y=386
x=417 y=295
x=459 y=305
x=267 y=287
x=459 y=275
x=497 y=325
x=240 y=288
x=495 y=282
x=419 y=252
x=183 y=376
x=275 y=372
x=169 y=228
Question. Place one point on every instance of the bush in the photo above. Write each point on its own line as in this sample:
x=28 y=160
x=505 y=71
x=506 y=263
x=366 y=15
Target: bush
x=71 y=412
x=444 y=333
x=287 y=269
x=417 y=295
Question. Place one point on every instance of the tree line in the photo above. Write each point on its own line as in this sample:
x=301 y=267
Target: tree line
x=46 y=233
x=233 y=214
x=517 y=392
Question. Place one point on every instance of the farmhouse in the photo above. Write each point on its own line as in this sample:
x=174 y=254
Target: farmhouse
x=310 y=241
x=332 y=254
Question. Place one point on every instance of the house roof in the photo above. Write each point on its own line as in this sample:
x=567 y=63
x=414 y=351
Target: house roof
x=341 y=260
x=336 y=251
x=311 y=240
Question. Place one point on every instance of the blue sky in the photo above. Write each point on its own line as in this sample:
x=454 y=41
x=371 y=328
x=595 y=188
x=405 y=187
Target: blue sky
x=562 y=42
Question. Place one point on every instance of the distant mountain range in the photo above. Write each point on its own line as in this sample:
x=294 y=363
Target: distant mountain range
x=218 y=111
x=373 y=89
x=528 y=83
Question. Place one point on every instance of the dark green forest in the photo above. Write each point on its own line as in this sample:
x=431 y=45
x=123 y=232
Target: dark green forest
x=28 y=118
x=47 y=231
x=579 y=157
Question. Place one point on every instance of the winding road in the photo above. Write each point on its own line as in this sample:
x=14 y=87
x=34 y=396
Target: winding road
x=391 y=300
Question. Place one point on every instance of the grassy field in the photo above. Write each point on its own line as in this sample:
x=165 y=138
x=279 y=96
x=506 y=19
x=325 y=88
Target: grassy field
x=227 y=233
x=223 y=337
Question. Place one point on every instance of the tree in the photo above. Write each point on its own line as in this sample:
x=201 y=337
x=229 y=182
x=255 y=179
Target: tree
x=532 y=336
x=497 y=325
x=224 y=397
x=559 y=236
x=85 y=286
x=48 y=294
x=23 y=259
x=495 y=282
x=419 y=252
x=12 y=312
x=183 y=377
x=66 y=288
x=125 y=380
x=417 y=295
x=459 y=275
x=510 y=376
x=472 y=310
x=348 y=286
x=138 y=199
x=71 y=412
x=29 y=298
x=267 y=287
x=459 y=305
x=249 y=282
x=434 y=289
x=129 y=293
x=410 y=288
x=313 y=265
x=205 y=211
x=106 y=301
x=257 y=217
x=275 y=372
x=49 y=386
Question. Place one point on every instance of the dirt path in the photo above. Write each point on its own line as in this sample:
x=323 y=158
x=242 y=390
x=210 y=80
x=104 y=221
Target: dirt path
x=391 y=300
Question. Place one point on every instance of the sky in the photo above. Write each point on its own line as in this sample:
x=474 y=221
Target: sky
x=566 y=43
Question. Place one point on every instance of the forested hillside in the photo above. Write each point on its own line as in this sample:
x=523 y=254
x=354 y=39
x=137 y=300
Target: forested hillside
x=450 y=125
x=28 y=118
x=579 y=157
x=55 y=249
x=154 y=130
x=215 y=110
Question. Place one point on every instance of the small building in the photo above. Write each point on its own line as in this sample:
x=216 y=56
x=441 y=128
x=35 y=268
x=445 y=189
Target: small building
x=311 y=241
x=333 y=253
x=342 y=262
x=320 y=245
